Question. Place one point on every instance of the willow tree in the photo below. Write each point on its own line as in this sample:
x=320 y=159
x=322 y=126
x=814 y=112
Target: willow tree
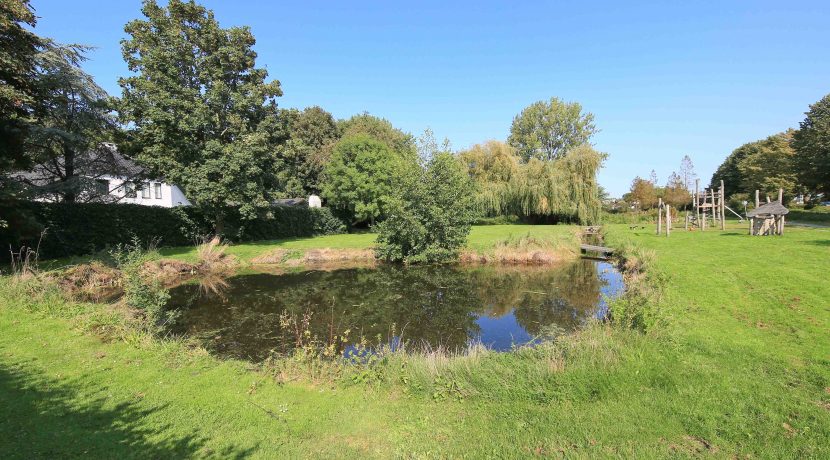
x=560 y=190
x=491 y=166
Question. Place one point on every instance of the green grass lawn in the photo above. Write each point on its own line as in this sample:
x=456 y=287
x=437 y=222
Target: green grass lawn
x=740 y=367
x=481 y=238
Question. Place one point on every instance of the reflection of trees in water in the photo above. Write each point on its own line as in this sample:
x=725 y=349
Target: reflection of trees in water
x=436 y=304
x=540 y=296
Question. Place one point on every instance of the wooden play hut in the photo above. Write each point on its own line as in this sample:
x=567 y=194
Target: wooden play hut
x=768 y=218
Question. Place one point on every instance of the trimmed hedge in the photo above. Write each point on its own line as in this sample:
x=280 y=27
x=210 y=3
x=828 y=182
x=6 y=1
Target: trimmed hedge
x=70 y=229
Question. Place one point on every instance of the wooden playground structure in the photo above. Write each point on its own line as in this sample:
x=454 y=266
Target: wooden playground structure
x=709 y=210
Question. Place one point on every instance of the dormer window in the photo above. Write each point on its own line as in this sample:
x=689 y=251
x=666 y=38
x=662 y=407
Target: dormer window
x=157 y=187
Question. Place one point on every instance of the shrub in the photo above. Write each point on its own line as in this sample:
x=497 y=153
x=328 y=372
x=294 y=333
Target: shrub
x=431 y=217
x=84 y=228
x=140 y=291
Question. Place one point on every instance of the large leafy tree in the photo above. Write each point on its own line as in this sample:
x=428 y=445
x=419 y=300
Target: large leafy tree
x=431 y=216
x=312 y=135
x=74 y=121
x=812 y=146
x=18 y=47
x=200 y=112
x=765 y=165
x=546 y=130
x=362 y=177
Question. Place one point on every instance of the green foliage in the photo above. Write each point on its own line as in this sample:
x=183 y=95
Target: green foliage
x=312 y=135
x=548 y=130
x=642 y=194
x=18 y=46
x=362 y=177
x=560 y=190
x=675 y=192
x=764 y=165
x=141 y=291
x=200 y=113
x=431 y=215
x=73 y=120
x=84 y=228
x=381 y=130
x=812 y=144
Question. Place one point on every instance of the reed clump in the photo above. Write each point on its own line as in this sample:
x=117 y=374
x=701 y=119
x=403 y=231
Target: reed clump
x=527 y=250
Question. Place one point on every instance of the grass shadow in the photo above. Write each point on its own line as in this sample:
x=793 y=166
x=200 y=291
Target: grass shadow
x=41 y=418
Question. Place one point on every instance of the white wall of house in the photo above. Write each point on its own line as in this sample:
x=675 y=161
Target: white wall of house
x=151 y=193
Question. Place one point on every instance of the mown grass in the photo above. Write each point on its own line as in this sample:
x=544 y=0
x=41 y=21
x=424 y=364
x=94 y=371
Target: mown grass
x=738 y=366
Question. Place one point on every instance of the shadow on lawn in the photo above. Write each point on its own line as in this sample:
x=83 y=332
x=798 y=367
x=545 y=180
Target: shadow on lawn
x=819 y=242
x=40 y=420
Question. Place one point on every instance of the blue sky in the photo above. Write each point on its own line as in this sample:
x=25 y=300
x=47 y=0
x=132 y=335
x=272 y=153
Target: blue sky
x=663 y=79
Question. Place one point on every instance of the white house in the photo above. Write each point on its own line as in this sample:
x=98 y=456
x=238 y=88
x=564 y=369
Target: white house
x=103 y=175
x=144 y=192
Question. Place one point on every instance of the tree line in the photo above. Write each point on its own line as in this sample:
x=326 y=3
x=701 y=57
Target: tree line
x=796 y=160
x=197 y=111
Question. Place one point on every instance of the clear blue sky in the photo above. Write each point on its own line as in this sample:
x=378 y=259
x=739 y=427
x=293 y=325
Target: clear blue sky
x=663 y=79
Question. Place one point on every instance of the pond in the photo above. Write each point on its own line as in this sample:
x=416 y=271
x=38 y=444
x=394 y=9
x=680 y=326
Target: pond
x=433 y=306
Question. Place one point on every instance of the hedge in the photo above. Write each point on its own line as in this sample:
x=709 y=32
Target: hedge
x=69 y=229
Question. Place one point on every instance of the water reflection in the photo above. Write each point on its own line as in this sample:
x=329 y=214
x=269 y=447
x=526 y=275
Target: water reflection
x=436 y=305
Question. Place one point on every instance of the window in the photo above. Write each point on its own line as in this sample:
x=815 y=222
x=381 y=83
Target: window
x=145 y=190
x=157 y=187
x=129 y=190
x=102 y=187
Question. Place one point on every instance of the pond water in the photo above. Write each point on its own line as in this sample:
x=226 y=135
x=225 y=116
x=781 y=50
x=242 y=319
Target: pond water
x=446 y=306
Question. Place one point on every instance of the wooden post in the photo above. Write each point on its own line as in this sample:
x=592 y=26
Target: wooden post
x=757 y=198
x=781 y=232
x=715 y=206
x=781 y=196
x=751 y=225
x=687 y=220
x=659 y=216
x=722 y=208
x=697 y=202
x=668 y=220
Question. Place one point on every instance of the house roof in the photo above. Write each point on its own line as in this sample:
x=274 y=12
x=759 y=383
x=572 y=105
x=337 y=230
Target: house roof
x=773 y=208
x=103 y=161
x=289 y=202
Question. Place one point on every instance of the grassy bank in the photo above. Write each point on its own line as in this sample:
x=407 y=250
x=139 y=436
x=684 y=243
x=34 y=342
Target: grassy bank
x=818 y=215
x=737 y=365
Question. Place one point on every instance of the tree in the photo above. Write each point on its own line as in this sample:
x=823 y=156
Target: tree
x=380 y=129
x=431 y=216
x=652 y=177
x=812 y=146
x=546 y=130
x=769 y=166
x=362 y=177
x=642 y=193
x=427 y=146
x=199 y=111
x=675 y=193
x=312 y=134
x=74 y=121
x=766 y=165
x=18 y=47
x=687 y=172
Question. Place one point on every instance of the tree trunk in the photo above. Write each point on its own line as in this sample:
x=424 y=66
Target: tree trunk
x=70 y=194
